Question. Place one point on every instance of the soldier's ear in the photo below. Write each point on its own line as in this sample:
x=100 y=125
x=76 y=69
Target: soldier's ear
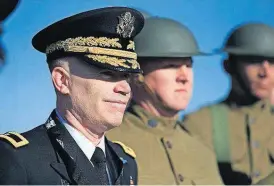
x=227 y=65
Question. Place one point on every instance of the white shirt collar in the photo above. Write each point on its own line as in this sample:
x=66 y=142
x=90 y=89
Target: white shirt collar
x=85 y=145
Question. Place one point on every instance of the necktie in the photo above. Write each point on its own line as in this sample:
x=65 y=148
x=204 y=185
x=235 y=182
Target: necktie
x=100 y=162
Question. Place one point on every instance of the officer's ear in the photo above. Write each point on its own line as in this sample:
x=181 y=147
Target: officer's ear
x=60 y=78
x=140 y=79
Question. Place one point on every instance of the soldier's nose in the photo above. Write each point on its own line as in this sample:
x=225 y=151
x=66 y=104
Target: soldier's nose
x=182 y=74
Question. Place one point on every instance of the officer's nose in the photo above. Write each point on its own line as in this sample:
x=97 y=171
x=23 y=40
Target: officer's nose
x=122 y=87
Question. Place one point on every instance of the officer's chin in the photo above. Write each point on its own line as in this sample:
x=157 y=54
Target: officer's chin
x=113 y=124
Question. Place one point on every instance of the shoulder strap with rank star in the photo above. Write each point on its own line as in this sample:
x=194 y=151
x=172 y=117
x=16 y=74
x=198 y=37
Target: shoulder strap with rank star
x=126 y=149
x=15 y=139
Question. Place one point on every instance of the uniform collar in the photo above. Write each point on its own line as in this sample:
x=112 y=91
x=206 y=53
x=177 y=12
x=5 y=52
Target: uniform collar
x=85 y=145
x=151 y=123
x=258 y=105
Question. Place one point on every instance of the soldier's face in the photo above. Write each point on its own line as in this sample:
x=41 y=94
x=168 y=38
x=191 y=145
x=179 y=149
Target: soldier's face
x=99 y=96
x=258 y=75
x=172 y=81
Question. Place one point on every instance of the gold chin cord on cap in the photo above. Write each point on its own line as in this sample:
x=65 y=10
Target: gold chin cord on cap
x=156 y=100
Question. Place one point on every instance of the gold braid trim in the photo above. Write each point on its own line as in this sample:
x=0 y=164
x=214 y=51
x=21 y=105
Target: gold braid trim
x=84 y=41
x=113 y=61
x=135 y=64
x=131 y=45
x=102 y=51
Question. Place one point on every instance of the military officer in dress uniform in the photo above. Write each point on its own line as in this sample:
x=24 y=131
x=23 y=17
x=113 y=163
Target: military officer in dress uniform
x=240 y=128
x=6 y=7
x=165 y=153
x=91 y=59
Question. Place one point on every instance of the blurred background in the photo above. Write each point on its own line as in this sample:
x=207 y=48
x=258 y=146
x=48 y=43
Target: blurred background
x=26 y=93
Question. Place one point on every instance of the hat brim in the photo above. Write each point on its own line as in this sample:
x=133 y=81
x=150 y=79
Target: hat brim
x=246 y=52
x=104 y=65
x=174 y=55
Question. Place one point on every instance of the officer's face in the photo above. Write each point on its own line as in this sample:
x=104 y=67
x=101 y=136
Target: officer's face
x=98 y=96
x=172 y=81
x=258 y=75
